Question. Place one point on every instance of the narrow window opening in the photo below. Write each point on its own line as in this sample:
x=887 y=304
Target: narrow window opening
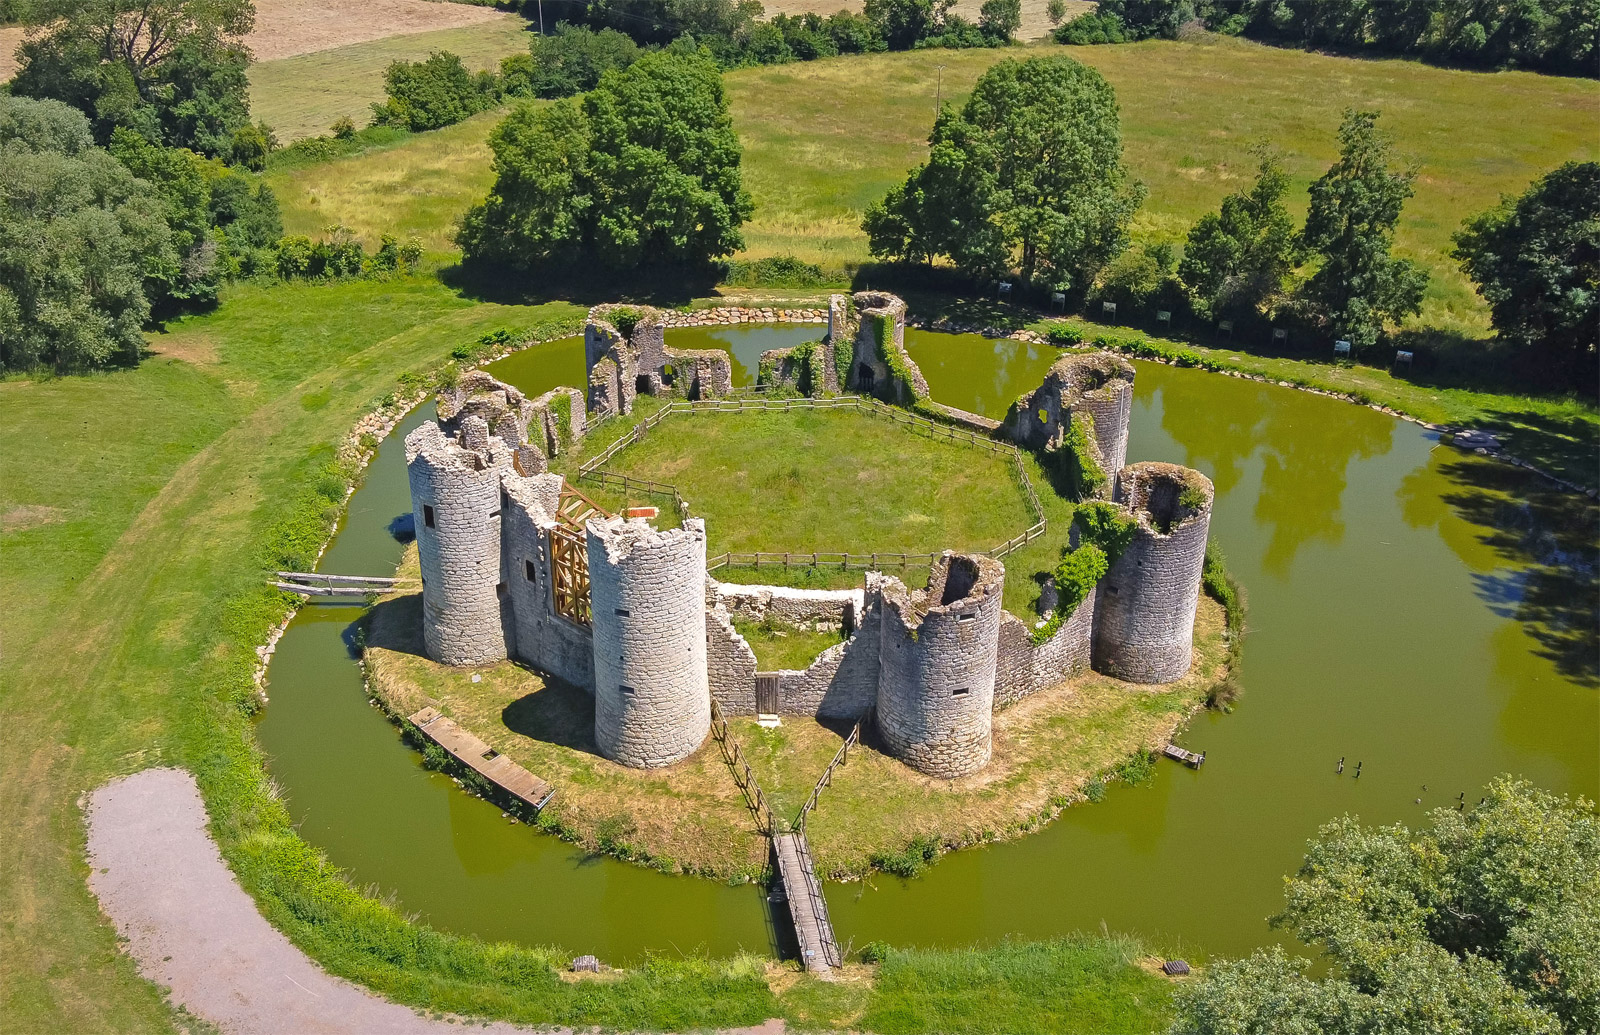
x=622 y=612
x=495 y=512
x=960 y=693
x=529 y=572
x=500 y=589
x=969 y=618
x=626 y=689
x=427 y=515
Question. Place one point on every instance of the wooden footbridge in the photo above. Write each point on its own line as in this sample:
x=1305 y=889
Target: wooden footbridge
x=795 y=873
x=317 y=584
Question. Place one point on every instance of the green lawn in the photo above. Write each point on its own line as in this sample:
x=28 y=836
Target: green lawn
x=302 y=96
x=778 y=645
x=829 y=480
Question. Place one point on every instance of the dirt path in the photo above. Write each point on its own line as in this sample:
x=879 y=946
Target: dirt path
x=193 y=930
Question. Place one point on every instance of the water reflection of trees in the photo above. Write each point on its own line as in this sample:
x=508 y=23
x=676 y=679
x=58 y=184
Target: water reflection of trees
x=1550 y=581
x=1306 y=446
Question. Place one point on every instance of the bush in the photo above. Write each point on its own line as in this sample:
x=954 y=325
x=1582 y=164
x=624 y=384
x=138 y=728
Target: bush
x=1090 y=28
x=431 y=94
x=343 y=128
x=1064 y=335
x=910 y=861
x=251 y=145
x=773 y=271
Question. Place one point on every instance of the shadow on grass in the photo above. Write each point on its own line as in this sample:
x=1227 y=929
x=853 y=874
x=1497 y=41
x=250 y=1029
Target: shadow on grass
x=558 y=713
x=1555 y=591
x=581 y=283
x=394 y=624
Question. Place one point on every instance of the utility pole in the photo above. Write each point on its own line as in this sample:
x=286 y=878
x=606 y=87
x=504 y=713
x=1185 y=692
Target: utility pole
x=938 y=92
x=541 y=17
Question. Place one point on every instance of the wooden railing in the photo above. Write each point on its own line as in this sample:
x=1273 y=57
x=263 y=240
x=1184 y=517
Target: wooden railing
x=592 y=470
x=743 y=775
x=840 y=757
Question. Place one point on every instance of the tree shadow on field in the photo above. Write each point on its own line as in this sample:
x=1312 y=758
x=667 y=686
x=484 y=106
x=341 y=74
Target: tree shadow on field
x=1550 y=537
x=557 y=713
x=583 y=283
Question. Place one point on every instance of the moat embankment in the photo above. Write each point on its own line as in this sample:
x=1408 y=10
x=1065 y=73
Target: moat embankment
x=1411 y=607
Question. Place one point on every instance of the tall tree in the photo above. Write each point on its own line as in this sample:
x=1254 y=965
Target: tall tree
x=1028 y=175
x=1355 y=207
x=79 y=238
x=903 y=22
x=1237 y=259
x=1487 y=921
x=171 y=70
x=1536 y=261
x=644 y=171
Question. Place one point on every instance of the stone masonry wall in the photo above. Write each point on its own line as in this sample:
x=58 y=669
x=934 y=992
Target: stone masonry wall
x=544 y=639
x=938 y=663
x=730 y=665
x=455 y=500
x=646 y=590
x=1145 y=605
x=839 y=607
x=1098 y=385
x=1024 y=667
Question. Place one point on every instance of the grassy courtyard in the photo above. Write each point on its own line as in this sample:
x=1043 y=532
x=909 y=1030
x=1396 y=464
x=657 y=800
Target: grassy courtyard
x=690 y=817
x=829 y=480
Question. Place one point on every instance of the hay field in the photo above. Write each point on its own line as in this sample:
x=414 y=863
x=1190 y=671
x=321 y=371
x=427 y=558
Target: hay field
x=302 y=96
x=285 y=28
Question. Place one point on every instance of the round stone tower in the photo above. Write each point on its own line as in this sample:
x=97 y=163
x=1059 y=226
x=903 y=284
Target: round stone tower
x=1098 y=385
x=937 y=668
x=1144 y=609
x=455 y=504
x=652 y=701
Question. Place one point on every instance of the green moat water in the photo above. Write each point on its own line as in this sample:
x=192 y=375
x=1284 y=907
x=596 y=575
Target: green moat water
x=1429 y=614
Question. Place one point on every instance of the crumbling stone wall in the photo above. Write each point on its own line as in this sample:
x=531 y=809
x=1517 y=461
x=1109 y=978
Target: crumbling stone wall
x=644 y=361
x=730 y=665
x=647 y=594
x=1145 y=605
x=456 y=503
x=546 y=419
x=835 y=607
x=544 y=639
x=1024 y=667
x=880 y=332
x=1098 y=385
x=938 y=662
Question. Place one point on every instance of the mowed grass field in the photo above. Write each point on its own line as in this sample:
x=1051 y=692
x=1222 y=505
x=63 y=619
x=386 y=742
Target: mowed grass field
x=302 y=96
x=825 y=139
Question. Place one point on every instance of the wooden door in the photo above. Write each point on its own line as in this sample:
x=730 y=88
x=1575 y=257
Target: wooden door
x=766 y=693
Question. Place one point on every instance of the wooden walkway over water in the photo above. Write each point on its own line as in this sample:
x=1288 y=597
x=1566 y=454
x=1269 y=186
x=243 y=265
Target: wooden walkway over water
x=1188 y=758
x=819 y=950
x=483 y=760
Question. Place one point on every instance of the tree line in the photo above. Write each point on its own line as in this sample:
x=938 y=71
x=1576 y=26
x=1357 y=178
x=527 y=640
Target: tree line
x=1559 y=36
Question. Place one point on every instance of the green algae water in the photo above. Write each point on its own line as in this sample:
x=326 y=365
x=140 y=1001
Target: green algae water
x=1429 y=614
x=746 y=342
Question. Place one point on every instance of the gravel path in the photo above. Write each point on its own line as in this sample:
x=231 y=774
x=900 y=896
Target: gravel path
x=193 y=930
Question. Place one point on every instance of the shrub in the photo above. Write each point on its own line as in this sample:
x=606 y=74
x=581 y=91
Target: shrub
x=1090 y=28
x=910 y=861
x=773 y=271
x=343 y=128
x=430 y=94
x=1063 y=335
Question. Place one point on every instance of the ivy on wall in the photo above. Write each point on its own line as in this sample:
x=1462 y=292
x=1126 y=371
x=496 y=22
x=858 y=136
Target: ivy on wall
x=1103 y=534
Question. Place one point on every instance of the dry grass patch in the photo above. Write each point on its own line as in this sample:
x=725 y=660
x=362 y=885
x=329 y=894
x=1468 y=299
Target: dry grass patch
x=286 y=28
x=691 y=818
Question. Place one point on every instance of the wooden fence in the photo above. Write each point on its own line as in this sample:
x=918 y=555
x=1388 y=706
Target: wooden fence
x=593 y=470
x=840 y=757
x=743 y=775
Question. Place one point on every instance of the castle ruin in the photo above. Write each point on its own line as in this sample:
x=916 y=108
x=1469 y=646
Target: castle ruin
x=517 y=564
